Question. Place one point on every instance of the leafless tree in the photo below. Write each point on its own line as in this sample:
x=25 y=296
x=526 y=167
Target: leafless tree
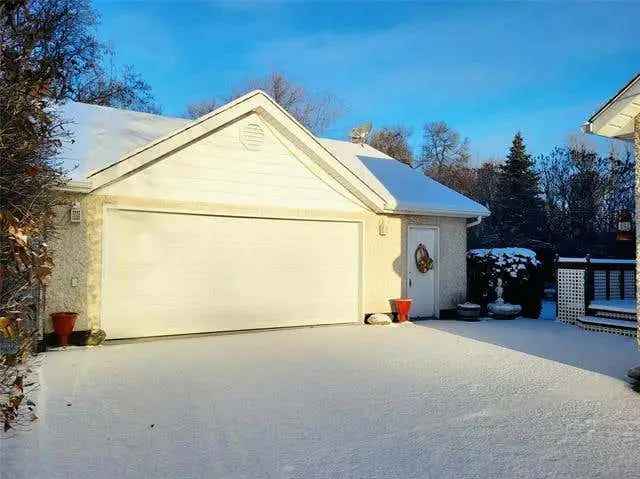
x=90 y=73
x=315 y=111
x=116 y=87
x=619 y=182
x=200 y=108
x=584 y=192
x=29 y=138
x=394 y=141
x=48 y=55
x=486 y=184
x=442 y=147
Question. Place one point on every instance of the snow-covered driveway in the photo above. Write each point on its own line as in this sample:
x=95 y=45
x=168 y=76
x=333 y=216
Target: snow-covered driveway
x=411 y=401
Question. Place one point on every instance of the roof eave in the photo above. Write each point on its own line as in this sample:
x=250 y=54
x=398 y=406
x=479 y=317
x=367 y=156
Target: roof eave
x=76 y=186
x=614 y=98
x=452 y=213
x=592 y=126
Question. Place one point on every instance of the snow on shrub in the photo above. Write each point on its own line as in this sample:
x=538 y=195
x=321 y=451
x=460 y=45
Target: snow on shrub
x=520 y=271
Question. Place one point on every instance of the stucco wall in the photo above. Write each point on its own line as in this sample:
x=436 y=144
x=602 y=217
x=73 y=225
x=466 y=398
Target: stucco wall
x=66 y=288
x=78 y=252
x=636 y=142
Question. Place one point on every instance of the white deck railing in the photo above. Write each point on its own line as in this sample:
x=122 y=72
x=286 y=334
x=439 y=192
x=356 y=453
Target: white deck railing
x=583 y=283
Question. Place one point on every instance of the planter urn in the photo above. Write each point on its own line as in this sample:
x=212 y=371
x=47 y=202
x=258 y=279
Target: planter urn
x=468 y=311
x=403 y=306
x=63 y=323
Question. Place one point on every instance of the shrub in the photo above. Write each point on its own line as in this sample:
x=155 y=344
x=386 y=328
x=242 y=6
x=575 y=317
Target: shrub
x=521 y=274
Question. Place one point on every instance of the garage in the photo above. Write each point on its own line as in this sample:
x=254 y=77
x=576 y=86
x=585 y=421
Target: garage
x=242 y=220
x=167 y=273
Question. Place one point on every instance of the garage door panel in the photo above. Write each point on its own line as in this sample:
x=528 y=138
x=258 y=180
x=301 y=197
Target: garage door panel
x=171 y=273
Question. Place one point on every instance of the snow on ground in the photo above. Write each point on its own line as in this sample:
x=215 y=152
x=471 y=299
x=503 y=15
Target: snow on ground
x=523 y=398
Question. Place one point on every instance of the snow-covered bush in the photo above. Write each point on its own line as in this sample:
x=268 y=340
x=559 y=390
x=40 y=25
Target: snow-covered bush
x=521 y=274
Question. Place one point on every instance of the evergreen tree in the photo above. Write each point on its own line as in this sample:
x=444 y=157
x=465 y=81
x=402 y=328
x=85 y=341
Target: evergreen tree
x=519 y=208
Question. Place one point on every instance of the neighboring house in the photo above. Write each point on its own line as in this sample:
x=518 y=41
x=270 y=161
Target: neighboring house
x=619 y=118
x=242 y=219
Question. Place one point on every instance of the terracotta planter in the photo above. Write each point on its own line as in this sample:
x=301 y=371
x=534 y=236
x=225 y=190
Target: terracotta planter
x=63 y=324
x=403 y=305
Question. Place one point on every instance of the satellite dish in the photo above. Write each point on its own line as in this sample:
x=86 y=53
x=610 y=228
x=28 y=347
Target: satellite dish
x=360 y=134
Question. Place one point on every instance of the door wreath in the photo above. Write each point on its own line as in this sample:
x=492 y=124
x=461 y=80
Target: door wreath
x=424 y=263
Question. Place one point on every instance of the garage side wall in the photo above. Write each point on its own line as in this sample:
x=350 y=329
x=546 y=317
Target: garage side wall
x=68 y=288
x=386 y=264
x=636 y=144
x=76 y=281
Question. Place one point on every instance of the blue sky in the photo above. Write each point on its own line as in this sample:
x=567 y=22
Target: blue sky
x=488 y=69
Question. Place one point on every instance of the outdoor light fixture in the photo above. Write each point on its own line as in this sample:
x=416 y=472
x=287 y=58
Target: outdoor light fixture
x=75 y=213
x=624 y=232
x=383 y=229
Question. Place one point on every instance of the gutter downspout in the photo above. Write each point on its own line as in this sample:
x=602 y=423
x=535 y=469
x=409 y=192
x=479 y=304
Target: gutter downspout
x=475 y=222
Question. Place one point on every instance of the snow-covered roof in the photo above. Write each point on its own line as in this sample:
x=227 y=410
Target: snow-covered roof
x=409 y=189
x=104 y=136
x=100 y=135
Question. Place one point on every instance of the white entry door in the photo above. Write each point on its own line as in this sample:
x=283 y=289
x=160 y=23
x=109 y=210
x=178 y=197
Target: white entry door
x=422 y=287
x=169 y=273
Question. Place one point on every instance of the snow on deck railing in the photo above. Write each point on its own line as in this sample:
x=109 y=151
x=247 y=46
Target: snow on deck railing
x=596 y=260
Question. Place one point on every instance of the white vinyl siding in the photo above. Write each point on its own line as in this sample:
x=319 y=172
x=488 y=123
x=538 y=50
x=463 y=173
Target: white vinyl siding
x=223 y=168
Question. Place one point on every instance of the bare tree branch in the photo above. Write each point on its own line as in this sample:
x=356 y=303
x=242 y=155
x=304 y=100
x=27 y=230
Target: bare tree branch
x=315 y=111
x=394 y=141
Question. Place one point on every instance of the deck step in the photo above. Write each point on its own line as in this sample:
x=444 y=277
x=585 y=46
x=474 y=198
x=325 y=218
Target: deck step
x=613 y=309
x=608 y=325
x=599 y=321
x=624 y=306
x=611 y=315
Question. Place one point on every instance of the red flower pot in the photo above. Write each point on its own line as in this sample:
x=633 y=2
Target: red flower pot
x=63 y=324
x=403 y=305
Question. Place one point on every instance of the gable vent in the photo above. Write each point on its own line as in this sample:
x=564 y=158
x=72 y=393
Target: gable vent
x=252 y=136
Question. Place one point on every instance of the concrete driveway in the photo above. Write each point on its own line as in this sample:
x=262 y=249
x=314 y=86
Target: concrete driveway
x=437 y=399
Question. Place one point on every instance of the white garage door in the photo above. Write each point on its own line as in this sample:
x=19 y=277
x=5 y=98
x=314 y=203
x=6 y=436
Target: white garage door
x=167 y=273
